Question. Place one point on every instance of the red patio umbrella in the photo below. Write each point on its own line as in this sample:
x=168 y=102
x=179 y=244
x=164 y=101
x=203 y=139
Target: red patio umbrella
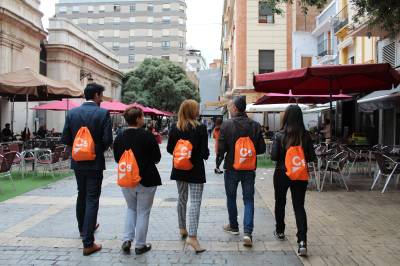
x=275 y=98
x=329 y=79
x=114 y=106
x=63 y=105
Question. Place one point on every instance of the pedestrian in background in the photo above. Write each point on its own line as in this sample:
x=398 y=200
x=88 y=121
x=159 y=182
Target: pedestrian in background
x=89 y=174
x=240 y=126
x=188 y=128
x=292 y=133
x=140 y=198
x=209 y=127
x=216 y=133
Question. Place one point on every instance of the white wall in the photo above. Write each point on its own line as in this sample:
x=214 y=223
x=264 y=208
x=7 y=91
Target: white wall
x=304 y=44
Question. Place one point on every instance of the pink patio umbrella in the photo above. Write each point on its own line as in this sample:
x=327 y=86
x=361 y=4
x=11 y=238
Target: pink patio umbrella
x=156 y=112
x=146 y=110
x=63 y=105
x=166 y=113
x=274 y=98
x=114 y=106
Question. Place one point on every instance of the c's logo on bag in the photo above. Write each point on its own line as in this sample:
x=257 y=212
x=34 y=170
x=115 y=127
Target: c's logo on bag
x=297 y=163
x=244 y=154
x=80 y=143
x=123 y=168
x=183 y=153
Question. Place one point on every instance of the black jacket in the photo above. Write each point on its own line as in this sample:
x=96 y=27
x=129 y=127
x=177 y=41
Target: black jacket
x=99 y=123
x=198 y=137
x=146 y=150
x=232 y=130
x=278 y=152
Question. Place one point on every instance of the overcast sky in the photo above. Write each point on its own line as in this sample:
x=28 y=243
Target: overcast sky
x=203 y=24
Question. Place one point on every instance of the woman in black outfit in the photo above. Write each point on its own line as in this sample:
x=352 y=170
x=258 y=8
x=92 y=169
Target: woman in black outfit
x=140 y=198
x=293 y=133
x=188 y=128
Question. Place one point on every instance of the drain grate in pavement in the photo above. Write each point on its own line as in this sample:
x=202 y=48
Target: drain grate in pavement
x=170 y=199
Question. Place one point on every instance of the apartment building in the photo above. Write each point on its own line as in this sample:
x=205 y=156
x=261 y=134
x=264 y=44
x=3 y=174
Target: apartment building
x=195 y=61
x=353 y=49
x=327 y=51
x=254 y=40
x=133 y=29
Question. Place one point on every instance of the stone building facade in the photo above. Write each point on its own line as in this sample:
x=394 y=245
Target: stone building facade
x=20 y=37
x=74 y=55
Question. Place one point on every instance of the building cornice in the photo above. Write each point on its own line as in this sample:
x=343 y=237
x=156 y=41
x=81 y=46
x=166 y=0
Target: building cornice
x=64 y=25
x=10 y=41
x=15 y=17
x=72 y=49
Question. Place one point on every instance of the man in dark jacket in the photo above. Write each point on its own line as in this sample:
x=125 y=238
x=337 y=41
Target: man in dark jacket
x=89 y=174
x=231 y=130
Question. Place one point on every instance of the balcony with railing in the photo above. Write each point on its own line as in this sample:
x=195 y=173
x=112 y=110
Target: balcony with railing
x=323 y=48
x=341 y=19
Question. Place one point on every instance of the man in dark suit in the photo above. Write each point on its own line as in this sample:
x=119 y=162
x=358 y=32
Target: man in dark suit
x=89 y=174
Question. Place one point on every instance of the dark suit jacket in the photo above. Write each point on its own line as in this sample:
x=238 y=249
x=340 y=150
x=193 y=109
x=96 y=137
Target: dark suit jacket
x=99 y=123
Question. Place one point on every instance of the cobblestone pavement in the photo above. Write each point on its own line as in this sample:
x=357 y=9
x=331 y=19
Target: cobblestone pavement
x=39 y=227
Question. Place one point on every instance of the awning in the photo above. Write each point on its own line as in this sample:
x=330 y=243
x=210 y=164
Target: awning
x=385 y=99
x=19 y=84
x=218 y=104
x=271 y=107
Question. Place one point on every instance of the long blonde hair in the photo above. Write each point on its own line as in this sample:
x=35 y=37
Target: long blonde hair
x=188 y=112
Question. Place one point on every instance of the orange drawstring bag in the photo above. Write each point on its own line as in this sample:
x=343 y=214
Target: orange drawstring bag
x=295 y=162
x=245 y=154
x=182 y=154
x=128 y=170
x=83 y=148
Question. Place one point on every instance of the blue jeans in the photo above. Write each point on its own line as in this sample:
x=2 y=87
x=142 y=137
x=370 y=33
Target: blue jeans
x=247 y=179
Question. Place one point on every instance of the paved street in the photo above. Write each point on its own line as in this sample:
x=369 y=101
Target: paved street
x=358 y=227
x=39 y=228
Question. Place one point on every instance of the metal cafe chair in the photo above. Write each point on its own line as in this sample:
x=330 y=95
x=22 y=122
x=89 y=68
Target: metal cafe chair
x=50 y=160
x=337 y=165
x=387 y=168
x=6 y=162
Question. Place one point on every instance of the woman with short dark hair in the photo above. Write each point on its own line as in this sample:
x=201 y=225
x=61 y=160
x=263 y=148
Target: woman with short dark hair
x=140 y=198
x=292 y=134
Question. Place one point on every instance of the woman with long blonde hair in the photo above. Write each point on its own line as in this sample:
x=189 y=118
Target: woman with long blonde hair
x=192 y=136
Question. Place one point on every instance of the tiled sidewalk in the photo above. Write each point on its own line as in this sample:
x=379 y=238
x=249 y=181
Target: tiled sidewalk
x=359 y=227
x=39 y=228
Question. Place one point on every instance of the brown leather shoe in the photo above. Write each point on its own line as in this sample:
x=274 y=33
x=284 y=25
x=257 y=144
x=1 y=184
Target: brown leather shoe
x=91 y=250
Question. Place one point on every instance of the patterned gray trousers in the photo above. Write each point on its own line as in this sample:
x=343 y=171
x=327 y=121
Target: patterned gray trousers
x=196 y=192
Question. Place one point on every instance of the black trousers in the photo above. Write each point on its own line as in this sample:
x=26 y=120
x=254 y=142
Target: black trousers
x=218 y=161
x=298 y=190
x=87 y=203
